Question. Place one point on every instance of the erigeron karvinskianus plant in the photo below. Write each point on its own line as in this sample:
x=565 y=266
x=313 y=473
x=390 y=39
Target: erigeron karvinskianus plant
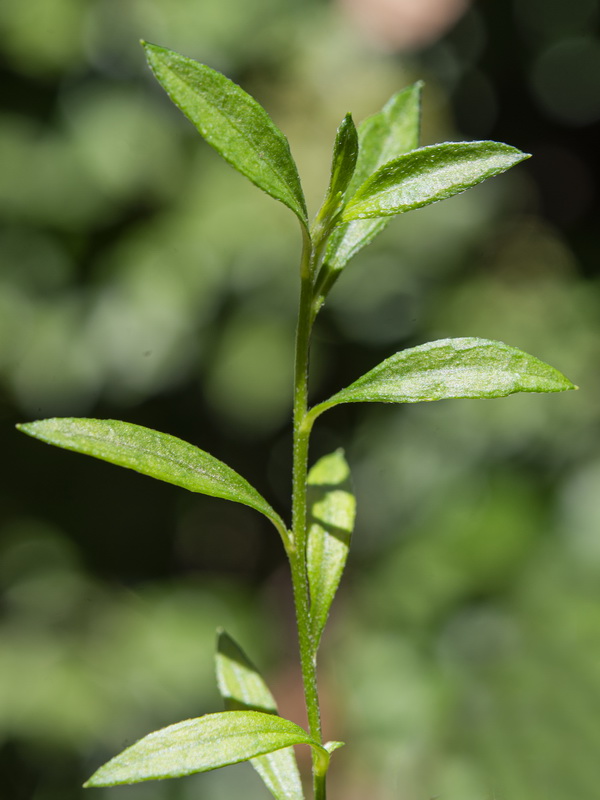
x=377 y=171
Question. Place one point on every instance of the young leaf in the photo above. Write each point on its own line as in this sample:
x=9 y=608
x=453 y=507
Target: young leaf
x=158 y=455
x=332 y=509
x=427 y=175
x=202 y=744
x=386 y=135
x=233 y=123
x=345 y=152
x=243 y=688
x=451 y=368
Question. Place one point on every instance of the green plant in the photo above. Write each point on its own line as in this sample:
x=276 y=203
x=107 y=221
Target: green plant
x=377 y=171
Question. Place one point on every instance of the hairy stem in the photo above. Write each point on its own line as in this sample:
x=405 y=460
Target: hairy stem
x=297 y=550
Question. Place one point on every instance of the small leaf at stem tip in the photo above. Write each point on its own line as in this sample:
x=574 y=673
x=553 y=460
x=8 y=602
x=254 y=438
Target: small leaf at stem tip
x=428 y=175
x=331 y=746
x=449 y=369
x=388 y=134
x=200 y=745
x=243 y=688
x=158 y=455
x=345 y=152
x=332 y=509
x=382 y=137
x=232 y=122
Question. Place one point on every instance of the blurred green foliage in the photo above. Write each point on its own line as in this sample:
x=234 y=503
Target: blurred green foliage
x=142 y=279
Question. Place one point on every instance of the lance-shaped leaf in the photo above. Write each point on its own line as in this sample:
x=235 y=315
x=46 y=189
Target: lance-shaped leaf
x=332 y=509
x=427 y=175
x=232 y=122
x=345 y=152
x=451 y=368
x=158 y=455
x=382 y=137
x=202 y=744
x=243 y=688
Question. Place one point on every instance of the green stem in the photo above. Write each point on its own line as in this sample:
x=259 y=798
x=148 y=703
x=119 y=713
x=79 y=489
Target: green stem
x=297 y=549
x=319 y=788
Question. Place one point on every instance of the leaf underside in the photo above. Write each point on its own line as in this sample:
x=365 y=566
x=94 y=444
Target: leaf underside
x=232 y=122
x=452 y=368
x=158 y=455
x=200 y=745
x=332 y=508
x=243 y=688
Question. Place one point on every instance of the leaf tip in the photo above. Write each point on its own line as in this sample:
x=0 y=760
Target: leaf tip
x=92 y=782
x=222 y=638
x=152 y=51
x=26 y=427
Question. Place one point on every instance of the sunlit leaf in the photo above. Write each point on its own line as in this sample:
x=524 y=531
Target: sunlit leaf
x=232 y=122
x=202 y=744
x=452 y=368
x=345 y=152
x=427 y=175
x=243 y=688
x=332 y=508
x=382 y=137
x=158 y=455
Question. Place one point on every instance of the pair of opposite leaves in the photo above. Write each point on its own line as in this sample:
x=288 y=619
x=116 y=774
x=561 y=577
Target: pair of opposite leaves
x=250 y=730
x=372 y=169
x=376 y=173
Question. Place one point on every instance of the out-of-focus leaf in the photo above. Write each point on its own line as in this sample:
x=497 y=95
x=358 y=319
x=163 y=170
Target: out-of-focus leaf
x=242 y=687
x=158 y=455
x=452 y=368
x=232 y=122
x=202 y=744
x=427 y=175
x=382 y=137
x=345 y=152
x=332 y=509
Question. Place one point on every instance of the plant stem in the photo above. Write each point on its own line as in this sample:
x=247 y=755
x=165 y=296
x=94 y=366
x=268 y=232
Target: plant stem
x=297 y=549
x=319 y=788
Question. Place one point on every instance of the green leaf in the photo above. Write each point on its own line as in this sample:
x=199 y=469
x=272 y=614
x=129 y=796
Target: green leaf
x=382 y=137
x=388 y=134
x=233 y=123
x=158 y=455
x=243 y=688
x=345 y=152
x=427 y=175
x=451 y=368
x=202 y=744
x=332 y=509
